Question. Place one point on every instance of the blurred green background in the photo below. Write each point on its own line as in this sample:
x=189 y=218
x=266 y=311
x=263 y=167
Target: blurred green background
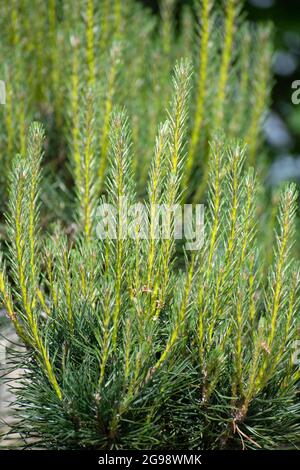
x=282 y=125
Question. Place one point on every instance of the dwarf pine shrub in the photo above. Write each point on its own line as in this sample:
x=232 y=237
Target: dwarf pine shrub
x=135 y=342
x=123 y=347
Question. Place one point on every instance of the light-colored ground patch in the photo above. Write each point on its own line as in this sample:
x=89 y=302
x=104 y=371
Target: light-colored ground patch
x=7 y=338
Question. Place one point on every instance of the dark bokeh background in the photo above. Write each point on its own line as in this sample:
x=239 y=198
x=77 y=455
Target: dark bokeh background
x=282 y=126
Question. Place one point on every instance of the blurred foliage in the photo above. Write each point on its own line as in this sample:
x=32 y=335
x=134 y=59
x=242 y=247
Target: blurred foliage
x=283 y=136
x=55 y=53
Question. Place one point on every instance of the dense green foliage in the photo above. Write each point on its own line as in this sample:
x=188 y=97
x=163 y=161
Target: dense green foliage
x=54 y=52
x=130 y=343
